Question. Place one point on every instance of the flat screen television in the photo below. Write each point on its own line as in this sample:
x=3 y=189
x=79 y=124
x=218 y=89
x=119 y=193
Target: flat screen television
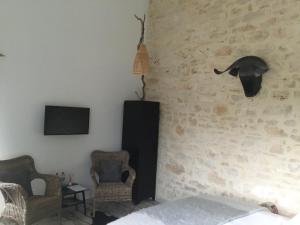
x=61 y=120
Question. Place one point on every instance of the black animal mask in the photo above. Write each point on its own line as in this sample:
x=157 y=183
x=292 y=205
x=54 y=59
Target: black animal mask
x=250 y=70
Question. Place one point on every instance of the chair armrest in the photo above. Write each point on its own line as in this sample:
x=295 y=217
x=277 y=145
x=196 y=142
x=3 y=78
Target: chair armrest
x=131 y=176
x=13 y=192
x=17 y=197
x=93 y=176
x=53 y=186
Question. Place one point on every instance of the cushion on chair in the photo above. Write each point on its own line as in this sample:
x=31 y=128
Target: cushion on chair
x=19 y=176
x=110 y=171
x=112 y=189
x=40 y=202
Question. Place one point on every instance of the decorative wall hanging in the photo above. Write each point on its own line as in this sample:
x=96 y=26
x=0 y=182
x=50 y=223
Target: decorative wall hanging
x=250 y=70
x=141 y=61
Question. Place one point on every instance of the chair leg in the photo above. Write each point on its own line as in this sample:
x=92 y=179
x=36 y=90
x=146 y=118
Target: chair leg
x=94 y=207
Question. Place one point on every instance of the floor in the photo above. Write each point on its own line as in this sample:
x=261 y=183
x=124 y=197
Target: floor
x=72 y=217
x=69 y=217
x=121 y=209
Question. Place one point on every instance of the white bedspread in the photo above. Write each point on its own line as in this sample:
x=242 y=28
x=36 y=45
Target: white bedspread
x=259 y=218
x=199 y=211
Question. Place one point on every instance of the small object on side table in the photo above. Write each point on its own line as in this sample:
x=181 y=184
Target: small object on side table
x=72 y=191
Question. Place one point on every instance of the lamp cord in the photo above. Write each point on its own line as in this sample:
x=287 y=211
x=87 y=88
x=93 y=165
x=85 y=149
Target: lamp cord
x=142 y=98
x=143 y=88
x=142 y=29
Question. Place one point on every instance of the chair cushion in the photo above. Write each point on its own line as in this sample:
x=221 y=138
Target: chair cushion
x=41 y=202
x=18 y=176
x=112 y=189
x=110 y=171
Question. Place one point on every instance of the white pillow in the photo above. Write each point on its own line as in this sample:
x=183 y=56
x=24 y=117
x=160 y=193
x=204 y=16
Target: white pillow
x=294 y=221
x=38 y=186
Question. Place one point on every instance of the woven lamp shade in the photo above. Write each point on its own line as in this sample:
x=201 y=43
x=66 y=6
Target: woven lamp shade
x=141 y=61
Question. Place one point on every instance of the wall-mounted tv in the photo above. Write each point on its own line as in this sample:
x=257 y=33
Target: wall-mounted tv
x=62 y=120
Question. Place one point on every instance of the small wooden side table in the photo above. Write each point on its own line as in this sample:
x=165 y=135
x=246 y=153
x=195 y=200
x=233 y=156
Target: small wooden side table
x=69 y=198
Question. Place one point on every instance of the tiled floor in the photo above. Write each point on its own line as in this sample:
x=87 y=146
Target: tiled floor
x=72 y=217
x=69 y=217
x=120 y=209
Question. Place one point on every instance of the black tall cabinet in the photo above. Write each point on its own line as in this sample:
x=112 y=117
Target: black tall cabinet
x=140 y=139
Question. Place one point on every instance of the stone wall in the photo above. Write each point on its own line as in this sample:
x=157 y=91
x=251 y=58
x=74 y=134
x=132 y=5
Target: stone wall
x=212 y=138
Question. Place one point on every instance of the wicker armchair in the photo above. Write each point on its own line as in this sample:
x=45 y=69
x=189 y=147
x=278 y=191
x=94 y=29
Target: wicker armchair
x=20 y=205
x=111 y=191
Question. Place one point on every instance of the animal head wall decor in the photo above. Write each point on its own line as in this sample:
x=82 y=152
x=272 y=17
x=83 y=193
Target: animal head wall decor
x=250 y=70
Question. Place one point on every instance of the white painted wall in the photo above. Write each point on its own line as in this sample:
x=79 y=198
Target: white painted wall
x=65 y=52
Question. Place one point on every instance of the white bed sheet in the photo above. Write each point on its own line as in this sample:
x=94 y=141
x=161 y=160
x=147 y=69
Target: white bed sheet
x=137 y=219
x=260 y=218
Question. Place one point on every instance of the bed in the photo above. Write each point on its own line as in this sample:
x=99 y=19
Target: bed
x=205 y=210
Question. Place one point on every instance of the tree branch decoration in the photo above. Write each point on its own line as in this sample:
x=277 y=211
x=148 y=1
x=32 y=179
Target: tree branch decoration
x=141 y=41
x=142 y=29
x=1 y=55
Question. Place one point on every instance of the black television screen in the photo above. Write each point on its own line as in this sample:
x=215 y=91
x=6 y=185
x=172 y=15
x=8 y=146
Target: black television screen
x=61 y=120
